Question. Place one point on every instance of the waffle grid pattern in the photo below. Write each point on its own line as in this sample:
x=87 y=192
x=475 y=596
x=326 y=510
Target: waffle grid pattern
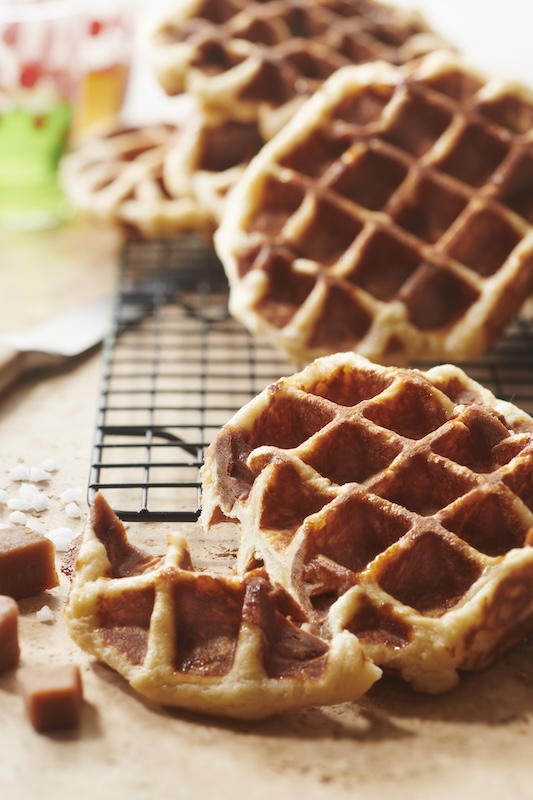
x=399 y=500
x=246 y=57
x=392 y=218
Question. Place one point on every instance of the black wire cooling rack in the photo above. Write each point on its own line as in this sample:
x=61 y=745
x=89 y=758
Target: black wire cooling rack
x=177 y=366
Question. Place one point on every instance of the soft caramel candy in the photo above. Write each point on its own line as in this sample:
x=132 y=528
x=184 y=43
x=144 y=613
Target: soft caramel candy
x=27 y=563
x=53 y=696
x=9 y=642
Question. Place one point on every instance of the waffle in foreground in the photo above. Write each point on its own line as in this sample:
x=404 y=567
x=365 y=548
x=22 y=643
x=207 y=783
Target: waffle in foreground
x=236 y=647
x=392 y=503
x=260 y=59
x=392 y=216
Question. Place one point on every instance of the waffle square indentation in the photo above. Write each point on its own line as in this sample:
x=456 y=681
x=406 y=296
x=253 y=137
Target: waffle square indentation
x=428 y=573
x=368 y=178
x=429 y=209
x=417 y=124
x=384 y=264
x=474 y=156
x=350 y=452
x=485 y=241
x=516 y=190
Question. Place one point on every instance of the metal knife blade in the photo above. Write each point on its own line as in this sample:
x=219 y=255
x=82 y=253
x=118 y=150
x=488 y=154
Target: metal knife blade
x=57 y=339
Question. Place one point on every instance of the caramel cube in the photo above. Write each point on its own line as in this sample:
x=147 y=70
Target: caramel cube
x=9 y=641
x=53 y=696
x=27 y=563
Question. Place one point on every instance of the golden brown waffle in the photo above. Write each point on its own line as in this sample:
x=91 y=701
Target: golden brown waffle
x=393 y=503
x=259 y=59
x=391 y=216
x=237 y=647
x=208 y=156
x=118 y=177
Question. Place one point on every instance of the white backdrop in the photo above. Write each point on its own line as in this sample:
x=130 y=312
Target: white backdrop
x=494 y=35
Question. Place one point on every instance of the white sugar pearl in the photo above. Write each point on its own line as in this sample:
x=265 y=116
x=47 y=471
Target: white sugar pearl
x=35 y=525
x=71 y=495
x=18 y=517
x=40 y=502
x=26 y=491
x=45 y=614
x=20 y=473
x=18 y=504
x=4 y=497
x=38 y=475
x=73 y=511
x=49 y=465
x=61 y=537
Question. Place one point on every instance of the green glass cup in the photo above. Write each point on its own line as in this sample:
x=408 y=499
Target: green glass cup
x=38 y=85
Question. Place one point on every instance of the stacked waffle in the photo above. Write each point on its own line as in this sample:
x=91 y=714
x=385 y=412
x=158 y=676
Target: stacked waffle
x=386 y=208
x=261 y=59
x=245 y=67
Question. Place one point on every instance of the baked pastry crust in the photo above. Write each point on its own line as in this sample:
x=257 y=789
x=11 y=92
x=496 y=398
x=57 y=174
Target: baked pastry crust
x=393 y=503
x=237 y=647
x=390 y=216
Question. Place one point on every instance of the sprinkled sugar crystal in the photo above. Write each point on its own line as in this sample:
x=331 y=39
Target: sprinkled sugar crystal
x=27 y=491
x=18 y=517
x=61 y=537
x=49 y=465
x=38 y=475
x=73 y=494
x=45 y=614
x=20 y=473
x=40 y=502
x=35 y=525
x=18 y=504
x=72 y=510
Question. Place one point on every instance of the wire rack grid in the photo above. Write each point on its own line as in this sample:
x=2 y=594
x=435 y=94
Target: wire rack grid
x=176 y=367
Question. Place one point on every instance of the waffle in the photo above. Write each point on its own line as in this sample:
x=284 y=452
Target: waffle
x=390 y=502
x=208 y=157
x=392 y=216
x=259 y=59
x=117 y=176
x=235 y=647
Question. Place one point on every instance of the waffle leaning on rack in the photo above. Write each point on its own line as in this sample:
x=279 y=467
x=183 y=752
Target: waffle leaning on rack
x=392 y=216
